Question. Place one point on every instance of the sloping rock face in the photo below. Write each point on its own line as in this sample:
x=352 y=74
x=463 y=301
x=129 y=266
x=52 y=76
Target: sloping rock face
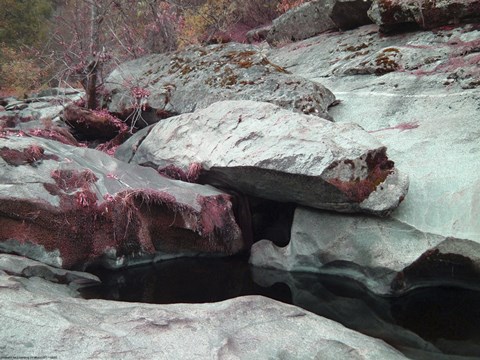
x=302 y=22
x=425 y=110
x=250 y=327
x=263 y=150
x=390 y=15
x=157 y=86
x=69 y=206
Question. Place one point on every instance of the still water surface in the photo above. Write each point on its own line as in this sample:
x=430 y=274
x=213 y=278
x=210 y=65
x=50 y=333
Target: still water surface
x=430 y=323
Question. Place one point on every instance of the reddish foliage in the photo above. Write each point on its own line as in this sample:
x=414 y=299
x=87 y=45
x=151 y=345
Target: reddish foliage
x=71 y=180
x=402 y=127
x=58 y=134
x=173 y=172
x=357 y=190
x=30 y=155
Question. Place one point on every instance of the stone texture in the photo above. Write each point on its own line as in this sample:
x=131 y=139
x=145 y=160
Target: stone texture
x=39 y=320
x=21 y=266
x=263 y=150
x=388 y=257
x=157 y=86
x=394 y=14
x=69 y=206
x=302 y=22
x=425 y=112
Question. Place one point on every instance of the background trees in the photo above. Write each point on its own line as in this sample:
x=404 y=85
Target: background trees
x=43 y=42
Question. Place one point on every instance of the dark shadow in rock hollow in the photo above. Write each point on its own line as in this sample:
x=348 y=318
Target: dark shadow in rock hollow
x=271 y=220
x=185 y=280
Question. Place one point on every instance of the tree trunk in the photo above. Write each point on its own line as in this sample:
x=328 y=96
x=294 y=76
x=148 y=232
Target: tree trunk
x=93 y=67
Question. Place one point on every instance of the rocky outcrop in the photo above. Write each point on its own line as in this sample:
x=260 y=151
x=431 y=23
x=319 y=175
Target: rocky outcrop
x=249 y=327
x=423 y=110
x=262 y=150
x=387 y=256
x=302 y=22
x=46 y=105
x=157 y=86
x=427 y=14
x=70 y=206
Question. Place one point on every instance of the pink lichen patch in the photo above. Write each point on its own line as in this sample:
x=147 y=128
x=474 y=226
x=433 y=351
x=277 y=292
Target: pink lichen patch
x=119 y=124
x=59 y=134
x=68 y=230
x=29 y=156
x=173 y=172
x=93 y=124
x=402 y=127
x=194 y=172
x=72 y=180
x=111 y=146
x=85 y=198
x=357 y=190
x=215 y=209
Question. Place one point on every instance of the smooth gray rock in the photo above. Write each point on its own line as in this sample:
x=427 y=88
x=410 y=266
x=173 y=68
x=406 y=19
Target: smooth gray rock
x=195 y=78
x=37 y=321
x=263 y=150
x=70 y=206
x=378 y=254
x=21 y=266
x=427 y=119
x=302 y=22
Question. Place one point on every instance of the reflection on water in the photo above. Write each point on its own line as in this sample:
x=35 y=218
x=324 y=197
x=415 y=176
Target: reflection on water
x=424 y=324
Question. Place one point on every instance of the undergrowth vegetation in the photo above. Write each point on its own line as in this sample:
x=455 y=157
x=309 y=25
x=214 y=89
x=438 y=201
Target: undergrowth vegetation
x=77 y=42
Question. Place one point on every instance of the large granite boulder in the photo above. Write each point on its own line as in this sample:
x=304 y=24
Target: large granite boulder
x=302 y=22
x=425 y=112
x=70 y=206
x=41 y=319
x=263 y=150
x=157 y=86
x=429 y=14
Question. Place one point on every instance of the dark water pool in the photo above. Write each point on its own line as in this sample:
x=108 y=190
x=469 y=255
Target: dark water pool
x=430 y=323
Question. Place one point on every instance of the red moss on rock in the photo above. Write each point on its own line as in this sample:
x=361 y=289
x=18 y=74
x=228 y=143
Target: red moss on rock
x=71 y=180
x=173 y=172
x=28 y=156
x=378 y=168
x=58 y=134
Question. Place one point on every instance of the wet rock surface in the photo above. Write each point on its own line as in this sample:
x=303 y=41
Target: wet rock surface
x=262 y=150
